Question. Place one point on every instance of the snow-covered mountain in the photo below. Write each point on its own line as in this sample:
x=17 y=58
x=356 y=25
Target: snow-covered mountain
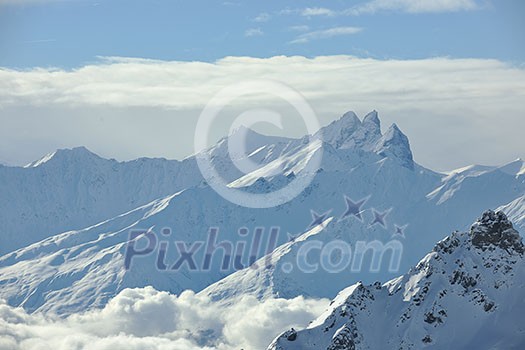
x=72 y=189
x=85 y=267
x=516 y=212
x=466 y=294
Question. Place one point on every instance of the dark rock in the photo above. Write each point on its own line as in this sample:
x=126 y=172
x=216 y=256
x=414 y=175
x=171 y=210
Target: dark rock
x=495 y=230
x=427 y=339
x=344 y=340
x=290 y=335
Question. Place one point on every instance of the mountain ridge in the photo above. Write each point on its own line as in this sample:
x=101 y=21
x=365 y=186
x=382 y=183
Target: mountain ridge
x=478 y=272
x=56 y=264
x=70 y=189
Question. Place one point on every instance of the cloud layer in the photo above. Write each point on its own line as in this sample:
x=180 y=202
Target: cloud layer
x=455 y=111
x=148 y=319
x=125 y=82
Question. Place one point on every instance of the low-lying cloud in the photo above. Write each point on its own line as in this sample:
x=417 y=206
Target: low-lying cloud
x=145 y=318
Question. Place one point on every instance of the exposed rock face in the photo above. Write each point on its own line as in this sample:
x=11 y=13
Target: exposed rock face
x=290 y=335
x=351 y=133
x=466 y=294
x=495 y=230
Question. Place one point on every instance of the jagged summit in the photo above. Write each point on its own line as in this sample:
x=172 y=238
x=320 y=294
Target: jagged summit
x=343 y=132
x=348 y=119
x=349 y=132
x=395 y=144
x=372 y=119
x=426 y=306
x=494 y=229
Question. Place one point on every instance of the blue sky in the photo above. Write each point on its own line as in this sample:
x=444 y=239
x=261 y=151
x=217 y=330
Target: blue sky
x=73 y=33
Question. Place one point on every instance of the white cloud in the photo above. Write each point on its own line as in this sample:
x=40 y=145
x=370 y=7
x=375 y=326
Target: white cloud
x=299 y=28
x=148 y=319
x=325 y=34
x=317 y=11
x=262 y=17
x=413 y=6
x=455 y=111
x=253 y=32
x=406 y=6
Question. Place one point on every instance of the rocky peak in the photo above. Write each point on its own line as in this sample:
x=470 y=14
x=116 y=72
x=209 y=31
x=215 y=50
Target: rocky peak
x=427 y=305
x=339 y=132
x=349 y=119
x=395 y=144
x=494 y=229
x=348 y=132
x=372 y=120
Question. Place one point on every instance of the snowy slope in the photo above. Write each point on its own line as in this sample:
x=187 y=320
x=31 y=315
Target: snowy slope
x=463 y=189
x=515 y=210
x=466 y=294
x=470 y=188
x=83 y=268
x=74 y=188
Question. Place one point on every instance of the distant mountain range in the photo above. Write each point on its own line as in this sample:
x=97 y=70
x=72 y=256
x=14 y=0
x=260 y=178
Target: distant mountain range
x=66 y=218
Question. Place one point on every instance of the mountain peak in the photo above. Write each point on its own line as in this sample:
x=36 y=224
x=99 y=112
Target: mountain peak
x=75 y=150
x=64 y=154
x=428 y=303
x=349 y=132
x=348 y=121
x=80 y=152
x=395 y=143
x=494 y=229
x=349 y=118
x=372 y=119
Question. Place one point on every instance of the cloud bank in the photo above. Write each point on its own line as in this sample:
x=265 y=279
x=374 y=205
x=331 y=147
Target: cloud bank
x=455 y=111
x=147 y=319
x=125 y=82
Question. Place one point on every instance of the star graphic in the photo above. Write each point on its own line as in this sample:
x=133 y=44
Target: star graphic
x=354 y=208
x=318 y=219
x=380 y=217
x=291 y=237
x=400 y=231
